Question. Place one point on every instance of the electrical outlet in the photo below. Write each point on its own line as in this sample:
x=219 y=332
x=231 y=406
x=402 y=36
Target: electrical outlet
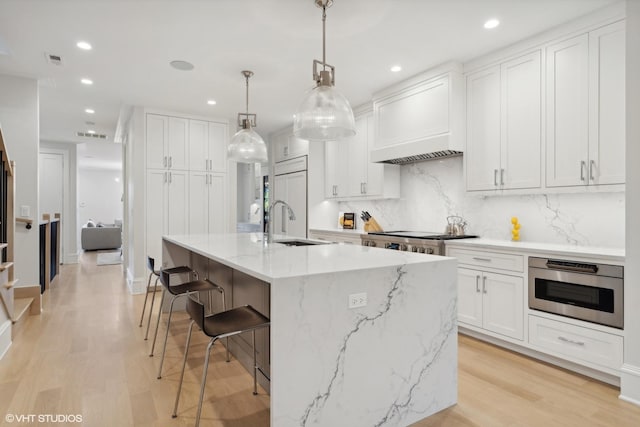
x=25 y=211
x=358 y=300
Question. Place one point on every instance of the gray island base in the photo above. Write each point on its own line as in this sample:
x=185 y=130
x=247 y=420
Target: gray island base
x=391 y=362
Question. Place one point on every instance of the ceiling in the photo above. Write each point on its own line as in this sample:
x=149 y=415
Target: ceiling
x=134 y=41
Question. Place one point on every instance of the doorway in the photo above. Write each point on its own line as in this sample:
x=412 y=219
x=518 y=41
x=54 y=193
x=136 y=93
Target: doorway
x=52 y=188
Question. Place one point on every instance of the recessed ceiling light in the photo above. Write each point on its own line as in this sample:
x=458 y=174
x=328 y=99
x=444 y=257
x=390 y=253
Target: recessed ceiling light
x=491 y=23
x=91 y=132
x=181 y=65
x=89 y=111
x=396 y=68
x=86 y=81
x=211 y=102
x=83 y=45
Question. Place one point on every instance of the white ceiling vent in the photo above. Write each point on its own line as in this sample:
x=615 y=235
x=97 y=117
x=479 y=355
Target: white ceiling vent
x=53 y=59
x=92 y=135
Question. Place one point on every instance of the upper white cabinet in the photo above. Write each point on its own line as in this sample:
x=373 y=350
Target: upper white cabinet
x=349 y=172
x=585 y=109
x=207 y=146
x=167 y=142
x=420 y=115
x=287 y=146
x=504 y=125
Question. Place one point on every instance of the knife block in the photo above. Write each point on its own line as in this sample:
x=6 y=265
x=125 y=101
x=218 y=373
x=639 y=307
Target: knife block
x=372 y=225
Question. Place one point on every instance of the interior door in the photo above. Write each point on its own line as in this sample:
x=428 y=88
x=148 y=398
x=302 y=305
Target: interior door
x=52 y=186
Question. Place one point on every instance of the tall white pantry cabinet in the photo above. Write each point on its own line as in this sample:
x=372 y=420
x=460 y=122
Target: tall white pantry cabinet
x=186 y=178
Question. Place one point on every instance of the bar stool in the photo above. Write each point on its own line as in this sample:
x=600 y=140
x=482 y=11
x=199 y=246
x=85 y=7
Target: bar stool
x=154 y=272
x=220 y=325
x=180 y=290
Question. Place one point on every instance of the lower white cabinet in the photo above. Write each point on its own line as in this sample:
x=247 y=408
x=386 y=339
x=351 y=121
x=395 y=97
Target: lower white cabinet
x=576 y=343
x=336 y=236
x=491 y=301
x=207 y=204
x=167 y=207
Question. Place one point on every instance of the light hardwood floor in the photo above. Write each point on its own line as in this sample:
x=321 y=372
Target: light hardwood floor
x=85 y=355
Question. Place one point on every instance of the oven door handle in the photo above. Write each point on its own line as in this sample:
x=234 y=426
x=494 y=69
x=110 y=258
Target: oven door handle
x=584 y=268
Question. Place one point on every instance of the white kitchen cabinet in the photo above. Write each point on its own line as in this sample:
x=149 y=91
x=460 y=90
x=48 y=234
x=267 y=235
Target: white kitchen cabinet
x=167 y=207
x=207 y=146
x=207 y=203
x=585 y=109
x=167 y=142
x=491 y=301
x=286 y=146
x=349 y=172
x=291 y=188
x=504 y=126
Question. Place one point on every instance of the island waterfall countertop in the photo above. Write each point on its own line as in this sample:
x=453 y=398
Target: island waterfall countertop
x=359 y=336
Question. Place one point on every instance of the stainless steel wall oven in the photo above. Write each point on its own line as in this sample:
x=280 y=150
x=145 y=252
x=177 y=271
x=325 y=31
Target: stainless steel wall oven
x=585 y=291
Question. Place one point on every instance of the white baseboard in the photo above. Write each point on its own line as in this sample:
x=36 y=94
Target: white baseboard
x=71 y=258
x=137 y=285
x=630 y=384
x=5 y=337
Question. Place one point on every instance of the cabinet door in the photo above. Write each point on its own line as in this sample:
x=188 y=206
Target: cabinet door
x=297 y=199
x=198 y=202
x=177 y=203
x=198 y=145
x=358 y=158
x=280 y=147
x=375 y=183
x=521 y=142
x=217 y=203
x=336 y=164
x=218 y=147
x=503 y=304
x=297 y=147
x=483 y=130
x=607 y=105
x=156 y=215
x=567 y=112
x=469 y=297
x=157 y=131
x=178 y=148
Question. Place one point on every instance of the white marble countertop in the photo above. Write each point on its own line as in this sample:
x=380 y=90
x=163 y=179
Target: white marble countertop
x=550 y=249
x=249 y=253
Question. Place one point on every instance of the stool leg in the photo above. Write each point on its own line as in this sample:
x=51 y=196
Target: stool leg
x=144 y=306
x=153 y=300
x=184 y=364
x=204 y=380
x=224 y=308
x=155 y=336
x=166 y=334
x=255 y=365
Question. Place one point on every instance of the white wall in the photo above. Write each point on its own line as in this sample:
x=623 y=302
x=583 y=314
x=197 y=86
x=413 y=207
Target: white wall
x=100 y=195
x=631 y=369
x=19 y=121
x=432 y=190
x=70 y=219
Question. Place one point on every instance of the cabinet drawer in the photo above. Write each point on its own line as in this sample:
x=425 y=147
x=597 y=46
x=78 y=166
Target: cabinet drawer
x=484 y=259
x=576 y=342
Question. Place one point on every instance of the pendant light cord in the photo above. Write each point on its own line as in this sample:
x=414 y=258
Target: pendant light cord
x=324 y=41
x=247 y=79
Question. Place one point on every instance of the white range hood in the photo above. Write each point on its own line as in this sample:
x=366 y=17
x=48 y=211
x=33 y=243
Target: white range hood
x=436 y=147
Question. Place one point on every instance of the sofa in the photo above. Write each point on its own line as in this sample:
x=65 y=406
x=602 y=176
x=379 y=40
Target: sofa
x=101 y=236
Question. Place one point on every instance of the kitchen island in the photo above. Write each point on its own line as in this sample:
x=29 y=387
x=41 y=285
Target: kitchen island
x=390 y=362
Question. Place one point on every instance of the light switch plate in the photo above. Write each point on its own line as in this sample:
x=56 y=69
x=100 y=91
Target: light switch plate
x=358 y=300
x=25 y=212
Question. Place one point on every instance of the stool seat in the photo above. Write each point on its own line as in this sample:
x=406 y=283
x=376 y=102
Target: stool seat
x=175 y=270
x=233 y=321
x=193 y=286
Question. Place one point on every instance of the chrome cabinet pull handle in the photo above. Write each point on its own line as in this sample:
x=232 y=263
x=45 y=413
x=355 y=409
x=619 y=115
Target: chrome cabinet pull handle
x=501 y=176
x=567 y=340
x=592 y=166
x=583 y=165
x=170 y=161
x=484 y=284
x=365 y=187
x=477 y=283
x=164 y=177
x=164 y=161
x=495 y=177
x=169 y=177
x=481 y=259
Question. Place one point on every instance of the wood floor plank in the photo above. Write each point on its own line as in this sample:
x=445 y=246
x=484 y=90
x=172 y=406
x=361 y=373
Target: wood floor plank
x=85 y=355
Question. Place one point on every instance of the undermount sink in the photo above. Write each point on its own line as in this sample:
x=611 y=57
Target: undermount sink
x=300 y=242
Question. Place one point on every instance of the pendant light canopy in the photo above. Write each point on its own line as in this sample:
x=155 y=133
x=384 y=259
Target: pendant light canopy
x=324 y=114
x=246 y=145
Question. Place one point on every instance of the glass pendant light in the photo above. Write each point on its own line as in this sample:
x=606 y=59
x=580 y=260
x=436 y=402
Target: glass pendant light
x=324 y=114
x=246 y=145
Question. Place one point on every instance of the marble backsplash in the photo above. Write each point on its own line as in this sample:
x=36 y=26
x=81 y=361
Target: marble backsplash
x=433 y=190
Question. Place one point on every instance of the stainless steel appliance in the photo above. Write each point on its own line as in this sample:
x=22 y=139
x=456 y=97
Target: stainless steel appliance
x=585 y=291
x=410 y=241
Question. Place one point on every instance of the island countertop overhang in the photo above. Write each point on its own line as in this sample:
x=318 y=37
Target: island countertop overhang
x=249 y=253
